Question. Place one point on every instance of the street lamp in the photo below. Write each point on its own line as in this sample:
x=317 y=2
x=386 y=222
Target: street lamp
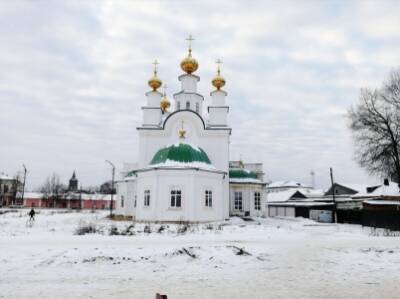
x=23 y=186
x=112 y=186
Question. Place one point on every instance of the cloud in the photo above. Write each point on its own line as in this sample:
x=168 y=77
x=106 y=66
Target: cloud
x=74 y=74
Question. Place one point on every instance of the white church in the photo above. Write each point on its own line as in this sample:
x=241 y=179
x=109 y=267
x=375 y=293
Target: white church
x=183 y=171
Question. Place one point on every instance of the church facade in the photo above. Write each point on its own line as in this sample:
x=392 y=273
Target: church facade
x=183 y=166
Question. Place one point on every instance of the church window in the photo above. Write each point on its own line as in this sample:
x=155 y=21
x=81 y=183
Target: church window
x=178 y=106
x=197 y=107
x=257 y=201
x=188 y=105
x=122 y=201
x=176 y=198
x=238 y=201
x=208 y=198
x=146 y=198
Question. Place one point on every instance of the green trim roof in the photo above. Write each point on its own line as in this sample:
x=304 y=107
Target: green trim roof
x=241 y=173
x=182 y=153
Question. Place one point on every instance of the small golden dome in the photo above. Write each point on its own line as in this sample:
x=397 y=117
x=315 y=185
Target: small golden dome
x=218 y=81
x=165 y=104
x=189 y=64
x=154 y=82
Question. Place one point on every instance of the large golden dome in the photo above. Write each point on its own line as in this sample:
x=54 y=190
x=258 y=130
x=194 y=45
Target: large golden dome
x=189 y=64
x=155 y=82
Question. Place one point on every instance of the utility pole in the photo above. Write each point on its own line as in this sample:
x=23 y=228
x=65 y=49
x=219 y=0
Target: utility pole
x=333 y=196
x=23 y=186
x=112 y=186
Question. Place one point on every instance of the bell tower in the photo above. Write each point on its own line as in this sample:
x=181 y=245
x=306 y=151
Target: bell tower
x=218 y=110
x=188 y=98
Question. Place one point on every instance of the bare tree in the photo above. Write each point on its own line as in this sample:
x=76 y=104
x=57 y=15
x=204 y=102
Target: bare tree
x=375 y=124
x=52 y=188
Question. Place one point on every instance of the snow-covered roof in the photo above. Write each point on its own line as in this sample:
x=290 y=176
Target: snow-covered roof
x=33 y=195
x=287 y=184
x=179 y=165
x=301 y=203
x=281 y=196
x=5 y=177
x=391 y=190
x=383 y=190
x=181 y=155
x=245 y=180
x=383 y=202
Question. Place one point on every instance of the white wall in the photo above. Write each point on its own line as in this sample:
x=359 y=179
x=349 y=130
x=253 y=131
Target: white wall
x=248 y=191
x=214 y=142
x=192 y=183
x=127 y=190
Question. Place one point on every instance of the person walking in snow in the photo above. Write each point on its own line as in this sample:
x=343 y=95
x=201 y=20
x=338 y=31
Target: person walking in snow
x=32 y=215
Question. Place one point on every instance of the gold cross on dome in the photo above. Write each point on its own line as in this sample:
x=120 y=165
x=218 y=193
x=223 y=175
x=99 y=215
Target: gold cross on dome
x=164 y=89
x=155 y=66
x=190 y=39
x=182 y=131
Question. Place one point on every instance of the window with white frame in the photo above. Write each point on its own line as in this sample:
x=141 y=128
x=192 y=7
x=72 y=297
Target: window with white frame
x=188 y=105
x=208 y=198
x=176 y=198
x=257 y=201
x=146 y=198
x=238 y=204
x=178 y=106
x=122 y=201
x=197 y=107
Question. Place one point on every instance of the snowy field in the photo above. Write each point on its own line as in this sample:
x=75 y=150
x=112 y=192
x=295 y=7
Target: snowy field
x=292 y=258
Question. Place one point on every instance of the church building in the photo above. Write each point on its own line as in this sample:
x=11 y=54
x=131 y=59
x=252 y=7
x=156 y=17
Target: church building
x=183 y=169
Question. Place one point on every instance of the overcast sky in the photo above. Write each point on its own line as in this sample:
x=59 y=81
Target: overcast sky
x=73 y=76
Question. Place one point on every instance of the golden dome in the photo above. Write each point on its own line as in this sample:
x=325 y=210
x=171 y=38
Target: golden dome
x=218 y=81
x=164 y=104
x=155 y=82
x=189 y=64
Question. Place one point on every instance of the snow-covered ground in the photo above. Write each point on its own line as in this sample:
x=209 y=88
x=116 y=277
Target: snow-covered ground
x=288 y=258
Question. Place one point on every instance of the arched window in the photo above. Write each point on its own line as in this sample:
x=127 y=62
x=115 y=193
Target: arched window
x=197 y=107
x=188 y=105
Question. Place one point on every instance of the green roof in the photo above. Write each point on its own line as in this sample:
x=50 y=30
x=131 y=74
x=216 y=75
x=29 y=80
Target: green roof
x=183 y=153
x=241 y=173
x=131 y=173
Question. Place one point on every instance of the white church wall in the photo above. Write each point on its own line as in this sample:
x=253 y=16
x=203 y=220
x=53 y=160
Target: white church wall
x=151 y=116
x=125 y=199
x=218 y=116
x=189 y=82
x=153 y=98
x=191 y=183
x=214 y=142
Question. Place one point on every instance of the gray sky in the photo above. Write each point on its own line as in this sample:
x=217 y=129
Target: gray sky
x=73 y=76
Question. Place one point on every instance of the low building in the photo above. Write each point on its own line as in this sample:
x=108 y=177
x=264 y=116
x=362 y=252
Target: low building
x=246 y=189
x=8 y=190
x=70 y=200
